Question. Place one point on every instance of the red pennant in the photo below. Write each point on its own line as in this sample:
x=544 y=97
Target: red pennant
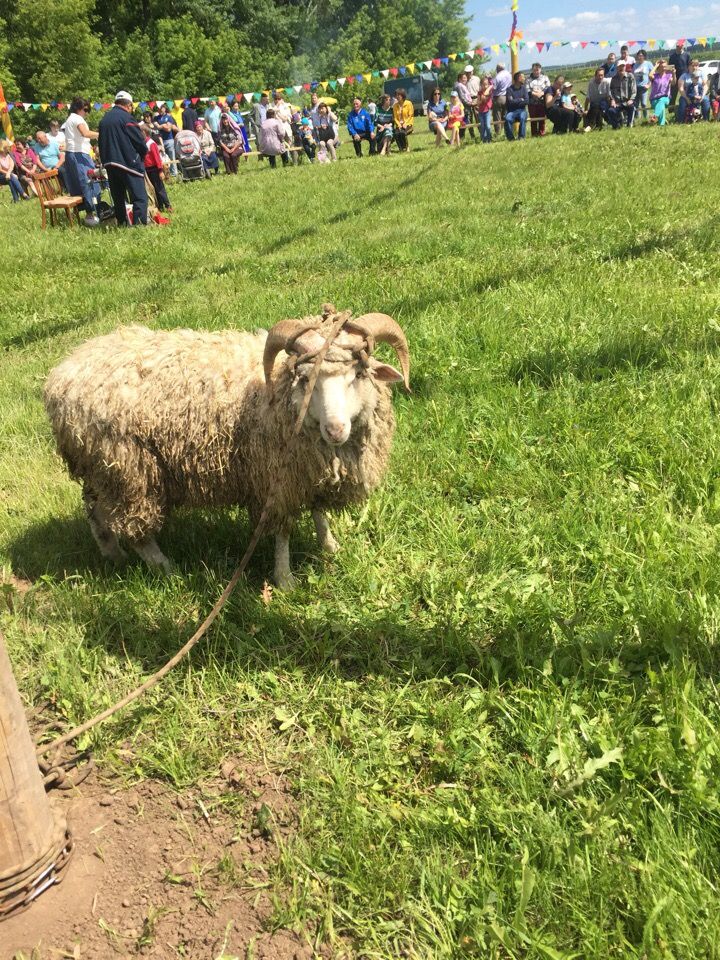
x=681 y=42
x=194 y=100
x=632 y=43
x=106 y=106
x=350 y=80
x=306 y=86
x=479 y=52
x=436 y=62
x=394 y=71
x=584 y=43
x=61 y=106
x=540 y=45
x=151 y=103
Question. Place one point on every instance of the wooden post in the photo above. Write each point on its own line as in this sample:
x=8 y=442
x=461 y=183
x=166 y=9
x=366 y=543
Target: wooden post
x=34 y=842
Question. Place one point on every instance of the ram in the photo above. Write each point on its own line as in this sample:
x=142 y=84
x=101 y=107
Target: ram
x=149 y=420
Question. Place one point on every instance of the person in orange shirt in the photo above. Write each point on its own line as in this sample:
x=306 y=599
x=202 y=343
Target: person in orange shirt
x=403 y=118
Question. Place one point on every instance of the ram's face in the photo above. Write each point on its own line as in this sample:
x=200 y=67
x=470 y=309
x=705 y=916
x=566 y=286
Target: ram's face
x=345 y=393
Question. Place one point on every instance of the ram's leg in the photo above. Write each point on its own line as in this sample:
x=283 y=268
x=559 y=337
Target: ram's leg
x=283 y=577
x=326 y=540
x=104 y=536
x=148 y=550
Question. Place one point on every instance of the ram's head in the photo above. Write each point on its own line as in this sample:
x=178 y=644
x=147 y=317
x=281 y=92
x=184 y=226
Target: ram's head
x=346 y=390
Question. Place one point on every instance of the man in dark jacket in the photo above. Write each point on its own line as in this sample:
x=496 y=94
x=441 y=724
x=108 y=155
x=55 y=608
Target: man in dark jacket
x=623 y=91
x=122 y=151
x=189 y=117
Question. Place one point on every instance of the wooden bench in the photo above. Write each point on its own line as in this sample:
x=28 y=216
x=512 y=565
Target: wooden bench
x=52 y=198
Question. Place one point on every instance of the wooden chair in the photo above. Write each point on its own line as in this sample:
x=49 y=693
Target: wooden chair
x=52 y=199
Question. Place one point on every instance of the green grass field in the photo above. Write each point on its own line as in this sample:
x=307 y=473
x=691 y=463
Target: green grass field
x=497 y=704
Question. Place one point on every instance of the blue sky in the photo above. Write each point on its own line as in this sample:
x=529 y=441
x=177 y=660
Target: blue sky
x=562 y=20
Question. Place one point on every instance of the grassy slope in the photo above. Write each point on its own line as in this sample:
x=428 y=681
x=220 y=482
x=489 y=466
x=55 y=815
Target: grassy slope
x=534 y=590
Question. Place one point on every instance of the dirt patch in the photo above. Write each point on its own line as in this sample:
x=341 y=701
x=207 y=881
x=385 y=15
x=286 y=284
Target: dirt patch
x=161 y=875
x=12 y=589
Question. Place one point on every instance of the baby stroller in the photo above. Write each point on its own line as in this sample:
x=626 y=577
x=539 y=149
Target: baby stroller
x=189 y=155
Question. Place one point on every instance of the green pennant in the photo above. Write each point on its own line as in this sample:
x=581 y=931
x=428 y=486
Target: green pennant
x=36 y=106
x=332 y=84
x=419 y=65
x=503 y=46
x=376 y=73
x=711 y=41
x=661 y=44
x=256 y=97
x=289 y=91
x=461 y=56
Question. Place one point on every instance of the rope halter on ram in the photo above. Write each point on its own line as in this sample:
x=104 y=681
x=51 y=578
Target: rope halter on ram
x=310 y=339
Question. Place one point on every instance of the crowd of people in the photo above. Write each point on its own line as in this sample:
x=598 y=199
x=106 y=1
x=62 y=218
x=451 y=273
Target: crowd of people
x=134 y=157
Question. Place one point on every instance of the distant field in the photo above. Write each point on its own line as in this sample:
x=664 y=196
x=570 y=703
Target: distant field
x=498 y=703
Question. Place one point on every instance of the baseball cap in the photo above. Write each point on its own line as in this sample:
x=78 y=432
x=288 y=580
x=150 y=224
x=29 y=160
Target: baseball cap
x=567 y=85
x=123 y=95
x=469 y=68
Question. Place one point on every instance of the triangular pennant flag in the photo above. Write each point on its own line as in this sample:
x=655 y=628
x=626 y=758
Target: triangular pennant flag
x=574 y=44
x=651 y=44
x=604 y=43
x=702 y=41
x=176 y=103
x=556 y=43
x=436 y=62
x=503 y=46
x=143 y=104
x=341 y=81
x=324 y=84
x=583 y=43
x=711 y=41
x=690 y=41
x=393 y=71
x=26 y=106
x=420 y=66
x=306 y=86
x=367 y=77
x=385 y=73
x=359 y=77
x=403 y=71
x=479 y=51
x=36 y=106
x=452 y=56
x=44 y=106
x=427 y=64
x=469 y=54
x=540 y=45
x=297 y=88
x=460 y=56
x=495 y=48
x=410 y=67
x=194 y=100
x=332 y=84
x=661 y=44
x=670 y=43
x=248 y=97
x=444 y=61
x=350 y=80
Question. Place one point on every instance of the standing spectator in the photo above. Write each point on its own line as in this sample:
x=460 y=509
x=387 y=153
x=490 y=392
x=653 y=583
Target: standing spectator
x=79 y=163
x=501 y=83
x=209 y=156
x=50 y=156
x=274 y=138
x=122 y=152
x=360 y=127
x=237 y=122
x=597 y=100
x=643 y=73
x=680 y=63
x=715 y=94
x=212 y=120
x=627 y=57
x=259 y=115
x=167 y=128
x=537 y=88
x=312 y=110
x=384 y=125
x=460 y=87
x=484 y=109
x=609 y=68
x=623 y=92
x=7 y=173
x=692 y=92
x=155 y=172
x=403 y=120
x=231 y=145
x=324 y=126
x=660 y=92
x=437 y=113
x=56 y=135
x=189 y=116
x=456 y=118
x=473 y=85
x=516 y=106
x=372 y=108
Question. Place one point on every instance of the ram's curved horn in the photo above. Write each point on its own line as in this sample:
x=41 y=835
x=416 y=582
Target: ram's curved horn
x=284 y=333
x=385 y=330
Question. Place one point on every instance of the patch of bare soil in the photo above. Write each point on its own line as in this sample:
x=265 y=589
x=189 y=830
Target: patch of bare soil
x=160 y=875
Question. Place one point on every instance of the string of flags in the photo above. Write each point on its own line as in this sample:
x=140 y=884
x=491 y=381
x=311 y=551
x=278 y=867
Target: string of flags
x=515 y=44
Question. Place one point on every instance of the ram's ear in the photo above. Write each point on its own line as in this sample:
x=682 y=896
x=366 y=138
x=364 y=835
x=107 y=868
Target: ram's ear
x=385 y=373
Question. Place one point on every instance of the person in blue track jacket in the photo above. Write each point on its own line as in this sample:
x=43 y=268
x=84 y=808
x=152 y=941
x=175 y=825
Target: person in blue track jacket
x=361 y=127
x=122 y=152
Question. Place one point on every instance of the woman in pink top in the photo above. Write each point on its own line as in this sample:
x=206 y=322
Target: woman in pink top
x=660 y=92
x=26 y=163
x=7 y=172
x=484 y=109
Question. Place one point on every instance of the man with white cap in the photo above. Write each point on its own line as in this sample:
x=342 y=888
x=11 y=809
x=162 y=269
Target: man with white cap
x=122 y=151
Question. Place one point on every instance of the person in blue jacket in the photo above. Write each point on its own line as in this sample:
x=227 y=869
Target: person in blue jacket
x=122 y=151
x=361 y=127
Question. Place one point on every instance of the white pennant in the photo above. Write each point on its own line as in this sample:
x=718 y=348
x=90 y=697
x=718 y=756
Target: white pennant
x=385 y=73
x=248 y=97
x=26 y=106
x=298 y=88
x=428 y=64
x=468 y=53
x=341 y=81
x=575 y=44
x=669 y=43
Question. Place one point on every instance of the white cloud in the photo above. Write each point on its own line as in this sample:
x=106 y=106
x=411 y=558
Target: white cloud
x=498 y=12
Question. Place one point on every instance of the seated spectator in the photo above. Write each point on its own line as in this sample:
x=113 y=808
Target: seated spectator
x=26 y=165
x=437 y=113
x=307 y=140
x=484 y=108
x=553 y=106
x=693 y=100
x=643 y=72
x=155 y=171
x=164 y=123
x=660 y=89
x=231 y=145
x=403 y=120
x=571 y=103
x=324 y=125
x=361 y=127
x=8 y=175
x=56 y=135
x=384 y=125
x=623 y=91
x=597 y=100
x=502 y=81
x=609 y=68
x=715 y=94
x=50 y=156
x=274 y=138
x=209 y=156
x=538 y=84
x=516 y=106
x=456 y=118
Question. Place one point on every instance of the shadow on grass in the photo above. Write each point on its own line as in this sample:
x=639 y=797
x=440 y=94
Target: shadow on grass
x=548 y=367
x=43 y=330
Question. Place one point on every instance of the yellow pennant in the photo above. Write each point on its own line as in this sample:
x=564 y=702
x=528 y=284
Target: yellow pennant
x=604 y=43
x=178 y=103
x=702 y=40
x=367 y=77
x=495 y=47
x=452 y=56
x=324 y=84
x=410 y=67
x=44 y=105
x=651 y=43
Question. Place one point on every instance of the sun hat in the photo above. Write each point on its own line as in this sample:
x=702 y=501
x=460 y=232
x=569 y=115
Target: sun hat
x=567 y=85
x=123 y=95
x=455 y=94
